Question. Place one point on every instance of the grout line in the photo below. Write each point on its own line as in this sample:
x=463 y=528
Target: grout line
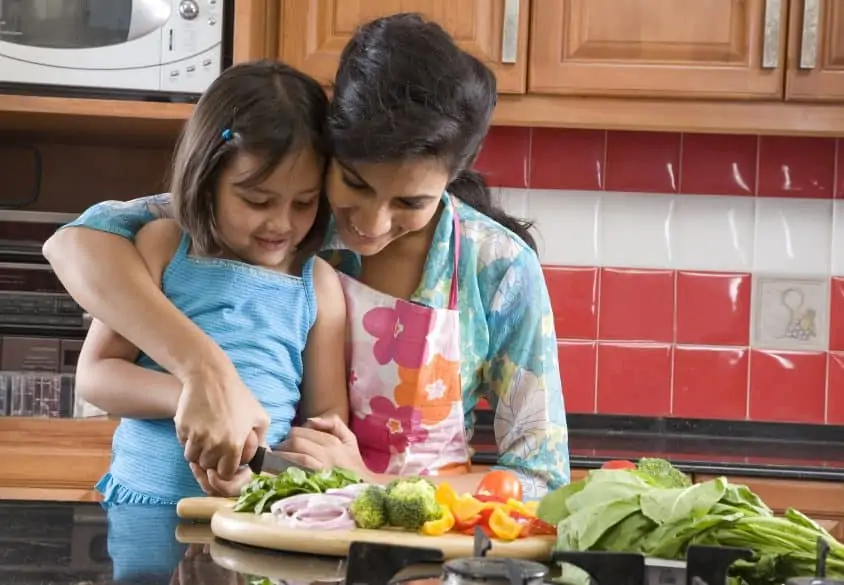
x=599 y=277
x=673 y=348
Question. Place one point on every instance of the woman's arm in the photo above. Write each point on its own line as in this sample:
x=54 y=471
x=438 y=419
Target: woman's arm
x=95 y=259
x=324 y=387
x=106 y=375
x=104 y=273
x=523 y=382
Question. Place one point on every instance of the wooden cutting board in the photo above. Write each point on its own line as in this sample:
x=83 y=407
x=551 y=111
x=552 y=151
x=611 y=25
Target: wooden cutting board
x=201 y=509
x=263 y=531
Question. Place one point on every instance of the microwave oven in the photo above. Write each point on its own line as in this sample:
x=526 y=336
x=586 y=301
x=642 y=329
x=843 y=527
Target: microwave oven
x=153 y=48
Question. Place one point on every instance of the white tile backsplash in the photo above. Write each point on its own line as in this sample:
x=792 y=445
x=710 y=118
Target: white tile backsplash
x=712 y=233
x=634 y=230
x=838 y=238
x=793 y=236
x=567 y=226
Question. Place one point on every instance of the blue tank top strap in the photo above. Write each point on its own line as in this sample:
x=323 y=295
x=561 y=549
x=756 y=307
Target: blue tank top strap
x=308 y=283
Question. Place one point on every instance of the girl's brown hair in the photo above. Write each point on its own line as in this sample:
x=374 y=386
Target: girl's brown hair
x=264 y=108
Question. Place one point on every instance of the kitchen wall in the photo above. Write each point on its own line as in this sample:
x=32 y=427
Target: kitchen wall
x=691 y=275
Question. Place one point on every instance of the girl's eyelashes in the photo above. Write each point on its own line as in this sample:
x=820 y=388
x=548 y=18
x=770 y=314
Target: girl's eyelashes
x=412 y=203
x=305 y=204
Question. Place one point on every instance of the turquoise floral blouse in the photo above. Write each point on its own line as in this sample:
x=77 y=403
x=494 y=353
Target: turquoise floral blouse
x=508 y=342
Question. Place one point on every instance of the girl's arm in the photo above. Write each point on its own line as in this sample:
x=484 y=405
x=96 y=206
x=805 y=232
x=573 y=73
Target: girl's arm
x=523 y=376
x=324 y=387
x=104 y=273
x=107 y=376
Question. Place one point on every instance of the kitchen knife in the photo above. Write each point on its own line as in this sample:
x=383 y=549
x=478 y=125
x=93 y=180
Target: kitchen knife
x=268 y=462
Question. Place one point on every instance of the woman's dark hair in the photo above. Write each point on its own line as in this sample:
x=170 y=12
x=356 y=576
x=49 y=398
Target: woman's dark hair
x=264 y=108
x=405 y=90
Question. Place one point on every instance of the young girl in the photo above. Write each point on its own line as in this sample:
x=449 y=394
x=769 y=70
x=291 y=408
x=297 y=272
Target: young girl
x=237 y=259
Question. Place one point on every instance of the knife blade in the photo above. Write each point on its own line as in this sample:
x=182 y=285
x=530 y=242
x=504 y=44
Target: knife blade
x=265 y=461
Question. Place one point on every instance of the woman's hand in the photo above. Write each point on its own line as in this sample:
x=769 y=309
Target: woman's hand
x=213 y=485
x=324 y=443
x=214 y=420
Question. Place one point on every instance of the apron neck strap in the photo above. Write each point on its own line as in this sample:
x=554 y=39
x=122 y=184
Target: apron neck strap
x=455 y=233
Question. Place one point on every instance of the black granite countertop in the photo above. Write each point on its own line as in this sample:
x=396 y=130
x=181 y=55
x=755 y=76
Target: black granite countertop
x=57 y=543
x=739 y=448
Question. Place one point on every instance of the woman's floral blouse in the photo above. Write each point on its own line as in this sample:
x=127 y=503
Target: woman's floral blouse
x=508 y=342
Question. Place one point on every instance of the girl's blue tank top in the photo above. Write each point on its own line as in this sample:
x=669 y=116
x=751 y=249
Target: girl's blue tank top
x=261 y=319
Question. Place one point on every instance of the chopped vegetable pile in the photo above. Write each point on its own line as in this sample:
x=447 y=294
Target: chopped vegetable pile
x=654 y=509
x=264 y=490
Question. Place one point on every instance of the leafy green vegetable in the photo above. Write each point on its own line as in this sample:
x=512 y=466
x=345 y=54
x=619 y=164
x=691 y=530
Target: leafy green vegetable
x=657 y=512
x=263 y=490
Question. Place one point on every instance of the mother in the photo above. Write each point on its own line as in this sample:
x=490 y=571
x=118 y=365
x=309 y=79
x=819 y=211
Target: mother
x=432 y=270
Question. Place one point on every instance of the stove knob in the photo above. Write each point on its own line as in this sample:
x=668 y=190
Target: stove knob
x=188 y=9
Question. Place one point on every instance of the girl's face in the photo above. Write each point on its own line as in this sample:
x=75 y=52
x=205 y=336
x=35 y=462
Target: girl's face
x=374 y=204
x=263 y=224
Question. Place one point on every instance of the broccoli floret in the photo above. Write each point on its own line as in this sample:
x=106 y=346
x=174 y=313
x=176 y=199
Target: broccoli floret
x=411 y=502
x=369 y=508
x=663 y=473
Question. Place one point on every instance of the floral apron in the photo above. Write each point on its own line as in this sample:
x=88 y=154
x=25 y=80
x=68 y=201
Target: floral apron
x=404 y=380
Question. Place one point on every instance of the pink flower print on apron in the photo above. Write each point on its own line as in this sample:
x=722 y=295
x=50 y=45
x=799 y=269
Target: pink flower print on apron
x=405 y=392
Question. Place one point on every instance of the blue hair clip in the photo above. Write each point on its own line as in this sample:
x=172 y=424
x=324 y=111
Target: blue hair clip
x=227 y=134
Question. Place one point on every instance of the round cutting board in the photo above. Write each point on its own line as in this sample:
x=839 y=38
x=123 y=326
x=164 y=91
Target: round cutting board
x=201 y=509
x=265 y=532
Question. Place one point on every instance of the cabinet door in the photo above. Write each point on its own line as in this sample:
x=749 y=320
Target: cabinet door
x=816 y=51
x=255 y=30
x=706 y=49
x=314 y=32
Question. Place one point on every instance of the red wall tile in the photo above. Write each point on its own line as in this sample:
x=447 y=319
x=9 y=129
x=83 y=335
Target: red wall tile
x=643 y=161
x=796 y=166
x=839 y=163
x=835 y=389
x=710 y=382
x=716 y=164
x=634 y=378
x=636 y=305
x=567 y=159
x=713 y=308
x=787 y=386
x=577 y=366
x=504 y=157
x=574 y=300
x=836 y=314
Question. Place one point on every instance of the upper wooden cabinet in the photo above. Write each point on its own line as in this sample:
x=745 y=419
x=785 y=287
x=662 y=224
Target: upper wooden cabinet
x=314 y=32
x=723 y=49
x=816 y=51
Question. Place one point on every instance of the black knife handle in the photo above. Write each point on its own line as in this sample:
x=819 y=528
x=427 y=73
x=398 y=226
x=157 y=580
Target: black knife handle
x=256 y=464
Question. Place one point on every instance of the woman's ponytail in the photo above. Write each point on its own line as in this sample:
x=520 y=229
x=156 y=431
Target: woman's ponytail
x=470 y=187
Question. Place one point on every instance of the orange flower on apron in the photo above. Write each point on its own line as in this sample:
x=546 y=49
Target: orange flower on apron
x=405 y=392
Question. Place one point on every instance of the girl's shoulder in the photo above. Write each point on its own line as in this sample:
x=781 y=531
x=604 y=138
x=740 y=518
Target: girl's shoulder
x=157 y=243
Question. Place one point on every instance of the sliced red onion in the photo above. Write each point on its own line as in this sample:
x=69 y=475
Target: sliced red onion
x=314 y=511
x=351 y=491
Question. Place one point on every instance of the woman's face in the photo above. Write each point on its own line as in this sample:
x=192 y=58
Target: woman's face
x=374 y=204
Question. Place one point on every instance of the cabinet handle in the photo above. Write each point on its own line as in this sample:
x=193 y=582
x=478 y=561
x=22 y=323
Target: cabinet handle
x=771 y=44
x=809 y=41
x=510 y=31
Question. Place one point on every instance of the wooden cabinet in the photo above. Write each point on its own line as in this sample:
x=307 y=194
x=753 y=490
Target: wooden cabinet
x=314 y=32
x=822 y=501
x=725 y=49
x=816 y=51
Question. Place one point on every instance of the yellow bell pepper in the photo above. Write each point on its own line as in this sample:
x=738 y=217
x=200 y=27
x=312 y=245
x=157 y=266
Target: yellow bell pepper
x=466 y=507
x=441 y=526
x=445 y=495
x=533 y=506
x=521 y=508
x=503 y=526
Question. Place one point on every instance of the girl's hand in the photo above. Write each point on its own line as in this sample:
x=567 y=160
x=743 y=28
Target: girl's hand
x=324 y=443
x=213 y=485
